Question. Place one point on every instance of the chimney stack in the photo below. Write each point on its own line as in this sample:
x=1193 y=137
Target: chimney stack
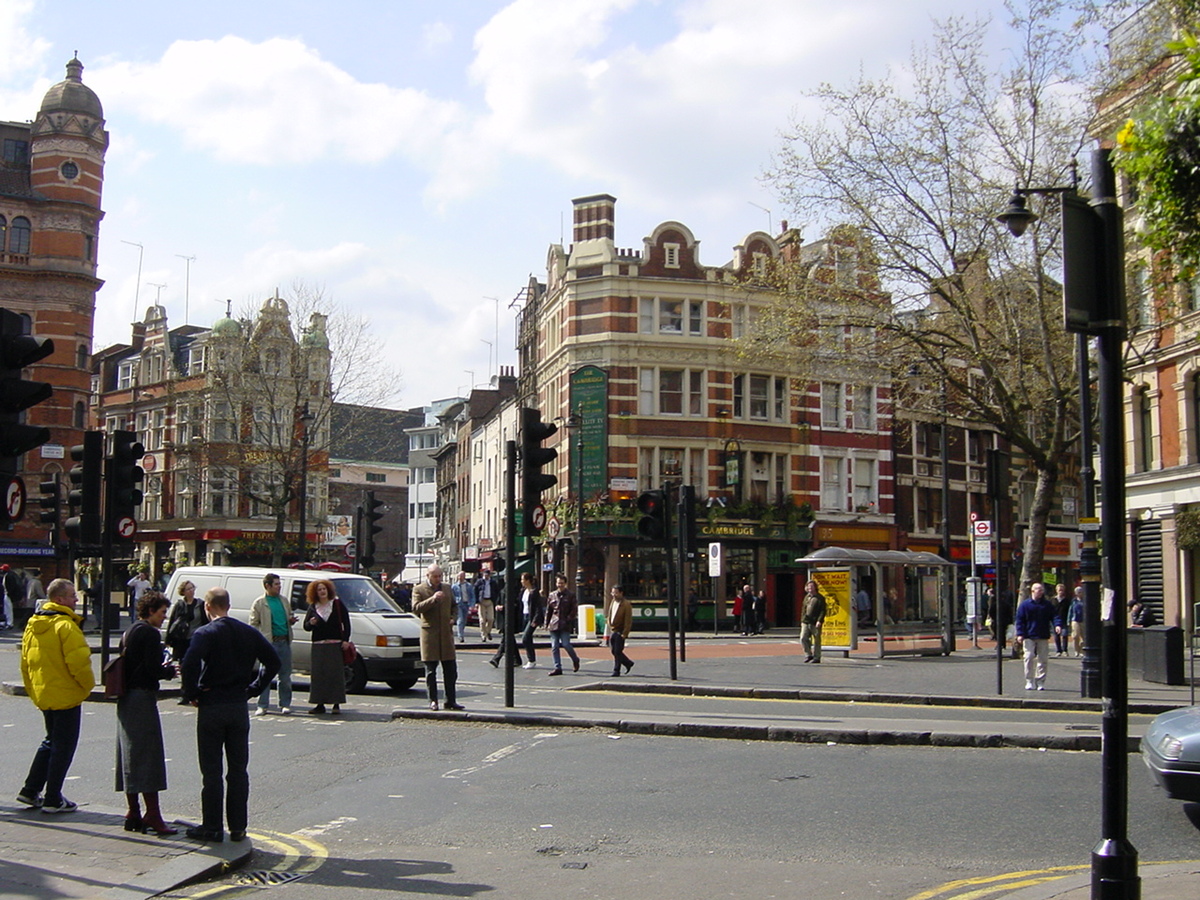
x=595 y=218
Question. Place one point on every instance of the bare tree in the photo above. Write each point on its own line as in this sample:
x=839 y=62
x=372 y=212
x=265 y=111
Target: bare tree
x=920 y=162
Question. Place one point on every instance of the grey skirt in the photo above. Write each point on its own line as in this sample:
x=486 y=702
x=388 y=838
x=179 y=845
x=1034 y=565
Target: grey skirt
x=328 y=676
x=141 y=760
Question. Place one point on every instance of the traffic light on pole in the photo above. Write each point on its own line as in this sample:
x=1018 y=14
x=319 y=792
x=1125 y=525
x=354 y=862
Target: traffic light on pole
x=124 y=485
x=18 y=350
x=84 y=495
x=50 y=502
x=533 y=457
x=687 y=520
x=653 y=507
x=372 y=514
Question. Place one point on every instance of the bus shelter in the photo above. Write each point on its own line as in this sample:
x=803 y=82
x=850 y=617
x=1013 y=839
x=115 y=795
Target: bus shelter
x=911 y=600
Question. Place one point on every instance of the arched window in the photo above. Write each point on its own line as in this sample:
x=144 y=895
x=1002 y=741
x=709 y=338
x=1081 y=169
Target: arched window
x=80 y=415
x=3 y=232
x=1145 y=425
x=81 y=356
x=18 y=240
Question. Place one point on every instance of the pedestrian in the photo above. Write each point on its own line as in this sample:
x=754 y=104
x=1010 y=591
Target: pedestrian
x=271 y=616
x=485 y=600
x=760 y=612
x=532 y=609
x=693 y=608
x=747 y=609
x=14 y=595
x=1037 y=619
x=435 y=606
x=35 y=592
x=1062 y=608
x=561 y=611
x=737 y=610
x=328 y=621
x=135 y=586
x=1141 y=615
x=141 y=758
x=1075 y=617
x=862 y=605
x=812 y=620
x=187 y=614
x=1000 y=611
x=464 y=599
x=56 y=668
x=620 y=625
x=218 y=678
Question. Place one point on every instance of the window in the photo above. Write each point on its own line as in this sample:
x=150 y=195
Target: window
x=759 y=390
x=16 y=152
x=671 y=392
x=696 y=318
x=125 y=374
x=1143 y=298
x=80 y=420
x=739 y=396
x=671 y=256
x=695 y=392
x=833 y=492
x=659 y=316
x=832 y=405
x=3 y=232
x=196 y=360
x=221 y=492
x=221 y=422
x=864 y=485
x=81 y=356
x=742 y=317
x=846 y=263
x=780 y=400
x=864 y=407
x=18 y=238
x=759 y=265
x=1192 y=295
x=376 y=477
x=1145 y=427
x=335 y=473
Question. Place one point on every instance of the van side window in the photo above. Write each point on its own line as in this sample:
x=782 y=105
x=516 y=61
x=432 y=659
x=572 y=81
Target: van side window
x=298 y=590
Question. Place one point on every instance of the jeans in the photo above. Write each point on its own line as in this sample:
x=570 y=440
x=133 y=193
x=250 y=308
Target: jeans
x=53 y=757
x=284 y=649
x=810 y=639
x=463 y=609
x=559 y=639
x=223 y=741
x=616 y=643
x=449 y=678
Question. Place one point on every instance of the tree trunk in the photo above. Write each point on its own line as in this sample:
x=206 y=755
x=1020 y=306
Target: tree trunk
x=1035 y=538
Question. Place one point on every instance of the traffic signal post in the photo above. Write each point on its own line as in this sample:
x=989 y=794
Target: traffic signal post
x=17 y=351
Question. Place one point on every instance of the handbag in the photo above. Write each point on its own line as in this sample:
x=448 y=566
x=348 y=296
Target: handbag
x=349 y=652
x=114 y=678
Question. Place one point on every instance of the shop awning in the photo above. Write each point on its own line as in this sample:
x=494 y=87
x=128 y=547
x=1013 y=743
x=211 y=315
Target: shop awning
x=853 y=556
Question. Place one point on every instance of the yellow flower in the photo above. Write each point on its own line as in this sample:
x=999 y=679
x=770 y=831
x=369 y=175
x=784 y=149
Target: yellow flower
x=1125 y=135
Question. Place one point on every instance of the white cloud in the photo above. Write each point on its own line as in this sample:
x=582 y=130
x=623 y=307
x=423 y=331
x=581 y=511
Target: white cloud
x=434 y=36
x=276 y=101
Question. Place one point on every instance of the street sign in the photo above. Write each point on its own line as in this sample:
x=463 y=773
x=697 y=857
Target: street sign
x=537 y=517
x=14 y=499
x=350 y=548
x=982 y=528
x=126 y=527
x=714 y=560
x=983 y=552
x=553 y=528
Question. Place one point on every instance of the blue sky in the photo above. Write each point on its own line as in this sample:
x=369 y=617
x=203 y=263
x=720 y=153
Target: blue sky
x=416 y=159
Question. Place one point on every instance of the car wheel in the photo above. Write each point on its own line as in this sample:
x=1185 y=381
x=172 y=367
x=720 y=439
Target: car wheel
x=402 y=684
x=356 y=676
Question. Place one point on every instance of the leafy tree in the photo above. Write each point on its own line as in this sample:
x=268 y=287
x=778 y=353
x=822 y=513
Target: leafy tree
x=920 y=162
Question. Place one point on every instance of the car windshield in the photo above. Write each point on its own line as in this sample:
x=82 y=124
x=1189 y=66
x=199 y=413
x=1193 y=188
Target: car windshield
x=363 y=595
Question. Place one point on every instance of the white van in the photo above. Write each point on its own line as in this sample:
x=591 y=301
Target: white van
x=387 y=638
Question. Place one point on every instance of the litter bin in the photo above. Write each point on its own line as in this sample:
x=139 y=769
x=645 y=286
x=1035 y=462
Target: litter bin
x=587 y=622
x=1163 y=654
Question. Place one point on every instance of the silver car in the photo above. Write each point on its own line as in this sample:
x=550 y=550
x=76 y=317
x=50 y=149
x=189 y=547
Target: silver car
x=1171 y=751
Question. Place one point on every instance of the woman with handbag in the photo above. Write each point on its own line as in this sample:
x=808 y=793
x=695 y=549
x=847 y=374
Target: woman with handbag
x=329 y=621
x=141 y=760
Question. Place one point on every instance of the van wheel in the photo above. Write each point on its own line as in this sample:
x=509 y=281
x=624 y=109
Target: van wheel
x=356 y=676
x=402 y=684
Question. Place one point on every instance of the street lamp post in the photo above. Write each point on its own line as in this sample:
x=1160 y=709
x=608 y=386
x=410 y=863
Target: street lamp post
x=306 y=420
x=1094 y=303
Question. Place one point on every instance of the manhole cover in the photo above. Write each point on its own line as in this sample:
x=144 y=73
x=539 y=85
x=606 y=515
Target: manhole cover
x=268 y=879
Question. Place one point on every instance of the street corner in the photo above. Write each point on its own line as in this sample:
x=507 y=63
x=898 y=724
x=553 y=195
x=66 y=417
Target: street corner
x=1158 y=881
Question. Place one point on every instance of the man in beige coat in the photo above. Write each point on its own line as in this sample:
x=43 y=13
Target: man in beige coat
x=433 y=603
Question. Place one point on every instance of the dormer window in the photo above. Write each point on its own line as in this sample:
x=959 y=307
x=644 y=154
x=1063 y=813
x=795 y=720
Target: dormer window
x=671 y=256
x=759 y=265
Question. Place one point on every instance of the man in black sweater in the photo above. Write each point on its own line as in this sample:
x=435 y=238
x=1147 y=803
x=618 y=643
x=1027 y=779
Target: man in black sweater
x=218 y=678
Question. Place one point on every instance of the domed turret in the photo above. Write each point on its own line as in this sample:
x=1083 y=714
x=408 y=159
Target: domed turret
x=227 y=325
x=72 y=95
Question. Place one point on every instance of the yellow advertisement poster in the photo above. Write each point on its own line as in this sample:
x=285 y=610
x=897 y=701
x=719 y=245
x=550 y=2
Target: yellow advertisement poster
x=834 y=584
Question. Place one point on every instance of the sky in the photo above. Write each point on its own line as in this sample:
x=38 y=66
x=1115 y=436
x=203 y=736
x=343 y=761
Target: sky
x=414 y=160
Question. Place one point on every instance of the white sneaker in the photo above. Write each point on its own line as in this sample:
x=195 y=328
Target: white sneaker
x=259 y=712
x=285 y=711
x=1041 y=687
x=1029 y=685
x=529 y=665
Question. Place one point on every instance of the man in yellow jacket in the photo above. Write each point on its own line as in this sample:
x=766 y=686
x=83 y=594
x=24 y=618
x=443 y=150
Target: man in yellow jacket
x=56 y=666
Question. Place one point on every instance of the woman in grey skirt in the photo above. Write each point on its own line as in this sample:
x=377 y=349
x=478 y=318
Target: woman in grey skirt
x=329 y=621
x=141 y=760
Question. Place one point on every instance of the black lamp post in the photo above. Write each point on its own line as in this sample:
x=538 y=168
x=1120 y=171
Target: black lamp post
x=306 y=420
x=1094 y=303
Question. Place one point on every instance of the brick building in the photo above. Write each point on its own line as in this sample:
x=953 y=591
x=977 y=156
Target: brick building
x=51 y=180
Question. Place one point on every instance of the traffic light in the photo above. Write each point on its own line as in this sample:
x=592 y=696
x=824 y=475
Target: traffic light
x=372 y=513
x=687 y=520
x=84 y=495
x=124 y=485
x=49 y=501
x=18 y=350
x=653 y=507
x=533 y=457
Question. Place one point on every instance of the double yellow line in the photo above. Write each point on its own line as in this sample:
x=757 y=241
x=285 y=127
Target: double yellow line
x=300 y=855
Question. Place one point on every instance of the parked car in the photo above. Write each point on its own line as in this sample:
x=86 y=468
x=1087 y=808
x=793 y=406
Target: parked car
x=387 y=638
x=1171 y=751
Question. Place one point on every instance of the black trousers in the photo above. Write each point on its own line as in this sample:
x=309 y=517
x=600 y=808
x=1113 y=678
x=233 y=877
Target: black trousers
x=223 y=748
x=616 y=643
x=449 y=678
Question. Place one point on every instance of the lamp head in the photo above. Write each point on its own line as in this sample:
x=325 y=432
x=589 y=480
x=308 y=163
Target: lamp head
x=1018 y=217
